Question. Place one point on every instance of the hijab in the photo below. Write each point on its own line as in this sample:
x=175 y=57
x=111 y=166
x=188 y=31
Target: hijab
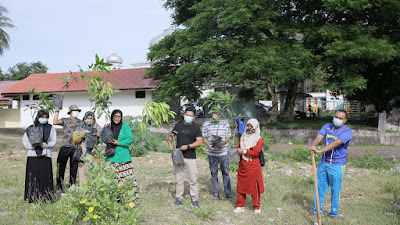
x=89 y=127
x=116 y=127
x=46 y=128
x=248 y=141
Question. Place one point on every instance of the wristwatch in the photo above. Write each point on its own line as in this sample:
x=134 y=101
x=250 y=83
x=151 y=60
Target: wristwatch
x=188 y=146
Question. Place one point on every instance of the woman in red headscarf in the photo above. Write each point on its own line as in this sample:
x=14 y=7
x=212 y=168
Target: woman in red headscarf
x=249 y=180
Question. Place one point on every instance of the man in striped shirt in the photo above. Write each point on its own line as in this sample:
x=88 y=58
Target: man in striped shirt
x=216 y=134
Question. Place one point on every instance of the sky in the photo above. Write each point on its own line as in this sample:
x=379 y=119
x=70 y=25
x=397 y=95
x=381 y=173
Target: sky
x=63 y=34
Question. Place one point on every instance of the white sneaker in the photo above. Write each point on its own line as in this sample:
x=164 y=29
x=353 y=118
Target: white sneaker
x=257 y=211
x=238 y=210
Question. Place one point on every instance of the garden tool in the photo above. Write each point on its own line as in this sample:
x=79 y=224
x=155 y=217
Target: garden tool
x=316 y=189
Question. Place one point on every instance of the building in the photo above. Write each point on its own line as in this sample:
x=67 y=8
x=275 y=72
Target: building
x=8 y=107
x=135 y=91
x=325 y=101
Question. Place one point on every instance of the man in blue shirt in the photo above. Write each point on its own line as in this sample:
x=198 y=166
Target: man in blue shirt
x=241 y=125
x=333 y=162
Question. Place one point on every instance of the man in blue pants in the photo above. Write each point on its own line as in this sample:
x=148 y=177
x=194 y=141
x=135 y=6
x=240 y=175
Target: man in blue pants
x=333 y=161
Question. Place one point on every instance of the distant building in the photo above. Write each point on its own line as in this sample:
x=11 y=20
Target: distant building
x=327 y=101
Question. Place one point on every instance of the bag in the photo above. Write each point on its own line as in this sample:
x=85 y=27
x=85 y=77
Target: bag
x=35 y=135
x=233 y=155
x=177 y=156
x=91 y=140
x=262 y=158
x=58 y=101
x=216 y=141
x=77 y=155
x=107 y=135
x=110 y=150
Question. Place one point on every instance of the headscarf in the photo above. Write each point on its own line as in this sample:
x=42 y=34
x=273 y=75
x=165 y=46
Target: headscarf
x=87 y=126
x=248 y=141
x=116 y=127
x=45 y=127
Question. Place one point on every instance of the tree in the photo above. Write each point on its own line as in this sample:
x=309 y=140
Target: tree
x=273 y=43
x=22 y=70
x=5 y=22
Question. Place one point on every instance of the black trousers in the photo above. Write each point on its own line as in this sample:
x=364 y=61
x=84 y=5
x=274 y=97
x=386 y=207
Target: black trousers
x=62 y=159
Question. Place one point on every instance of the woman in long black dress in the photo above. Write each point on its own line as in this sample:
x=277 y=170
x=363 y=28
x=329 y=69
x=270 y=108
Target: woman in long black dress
x=39 y=173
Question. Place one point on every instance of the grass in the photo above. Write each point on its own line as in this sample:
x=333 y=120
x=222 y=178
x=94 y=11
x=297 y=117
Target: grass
x=313 y=124
x=365 y=198
x=392 y=131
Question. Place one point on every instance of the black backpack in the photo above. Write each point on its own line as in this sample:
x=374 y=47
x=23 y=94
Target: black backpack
x=262 y=158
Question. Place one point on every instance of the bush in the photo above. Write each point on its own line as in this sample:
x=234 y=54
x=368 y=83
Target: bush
x=143 y=141
x=268 y=138
x=100 y=199
x=371 y=161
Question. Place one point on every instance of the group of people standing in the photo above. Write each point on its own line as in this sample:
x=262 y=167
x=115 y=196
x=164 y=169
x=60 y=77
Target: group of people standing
x=76 y=133
x=214 y=133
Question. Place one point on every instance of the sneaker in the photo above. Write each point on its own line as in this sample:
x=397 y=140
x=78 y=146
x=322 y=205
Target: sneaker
x=178 y=202
x=257 y=211
x=195 y=204
x=238 y=210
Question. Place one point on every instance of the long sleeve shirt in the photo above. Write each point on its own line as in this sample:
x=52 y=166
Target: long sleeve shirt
x=47 y=147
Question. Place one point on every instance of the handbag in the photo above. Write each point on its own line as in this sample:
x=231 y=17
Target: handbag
x=110 y=150
x=262 y=158
x=77 y=155
x=177 y=156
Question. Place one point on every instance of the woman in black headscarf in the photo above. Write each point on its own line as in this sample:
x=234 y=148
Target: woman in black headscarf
x=39 y=173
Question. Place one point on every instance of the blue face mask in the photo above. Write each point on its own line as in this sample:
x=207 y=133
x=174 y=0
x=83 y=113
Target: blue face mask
x=188 y=119
x=43 y=120
x=337 y=122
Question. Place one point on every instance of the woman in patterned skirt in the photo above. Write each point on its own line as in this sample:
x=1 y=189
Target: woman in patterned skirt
x=123 y=138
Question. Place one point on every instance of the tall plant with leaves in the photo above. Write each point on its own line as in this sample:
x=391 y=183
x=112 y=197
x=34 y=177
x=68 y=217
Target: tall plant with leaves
x=222 y=102
x=155 y=113
x=44 y=102
x=100 y=90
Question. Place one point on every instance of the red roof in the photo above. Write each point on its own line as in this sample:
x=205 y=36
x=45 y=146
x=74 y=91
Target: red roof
x=125 y=79
x=5 y=85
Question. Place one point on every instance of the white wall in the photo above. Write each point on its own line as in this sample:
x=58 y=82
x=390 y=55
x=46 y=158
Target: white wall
x=124 y=101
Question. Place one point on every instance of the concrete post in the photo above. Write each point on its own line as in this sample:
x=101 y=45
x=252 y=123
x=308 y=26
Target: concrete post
x=382 y=124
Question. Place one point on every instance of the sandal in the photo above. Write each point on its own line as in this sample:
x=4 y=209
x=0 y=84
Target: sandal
x=215 y=197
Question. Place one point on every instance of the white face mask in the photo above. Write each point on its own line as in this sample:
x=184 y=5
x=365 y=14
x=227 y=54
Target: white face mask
x=337 y=122
x=75 y=114
x=214 y=116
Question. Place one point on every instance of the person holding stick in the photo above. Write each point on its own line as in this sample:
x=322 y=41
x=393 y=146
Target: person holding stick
x=333 y=161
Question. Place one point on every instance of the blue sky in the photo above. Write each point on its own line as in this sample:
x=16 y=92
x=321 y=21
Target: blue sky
x=66 y=33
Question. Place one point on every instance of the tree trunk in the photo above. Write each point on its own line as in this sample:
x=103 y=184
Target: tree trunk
x=273 y=91
x=288 y=111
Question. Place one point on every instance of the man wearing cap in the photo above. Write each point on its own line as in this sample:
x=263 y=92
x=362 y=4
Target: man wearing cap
x=70 y=124
x=216 y=134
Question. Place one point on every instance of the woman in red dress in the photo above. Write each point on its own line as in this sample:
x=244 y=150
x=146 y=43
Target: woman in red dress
x=249 y=180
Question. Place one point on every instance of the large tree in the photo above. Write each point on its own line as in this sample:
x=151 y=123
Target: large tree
x=5 y=22
x=24 y=69
x=274 y=43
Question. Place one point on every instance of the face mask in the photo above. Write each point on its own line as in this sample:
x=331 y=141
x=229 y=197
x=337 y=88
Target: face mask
x=250 y=131
x=188 y=119
x=88 y=121
x=214 y=116
x=242 y=119
x=43 y=120
x=75 y=114
x=337 y=122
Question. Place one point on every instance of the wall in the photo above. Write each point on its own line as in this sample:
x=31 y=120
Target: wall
x=10 y=118
x=124 y=100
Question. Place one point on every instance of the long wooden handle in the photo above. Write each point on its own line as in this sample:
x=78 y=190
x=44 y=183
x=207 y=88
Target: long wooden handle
x=316 y=189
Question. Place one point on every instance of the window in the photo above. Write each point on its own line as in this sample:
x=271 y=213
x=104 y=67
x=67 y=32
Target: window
x=36 y=97
x=25 y=97
x=140 y=94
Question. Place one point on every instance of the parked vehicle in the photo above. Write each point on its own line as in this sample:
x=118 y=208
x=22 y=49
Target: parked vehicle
x=199 y=109
x=299 y=115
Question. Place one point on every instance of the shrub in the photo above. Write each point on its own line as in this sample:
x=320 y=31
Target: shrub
x=371 y=161
x=143 y=140
x=100 y=199
x=268 y=138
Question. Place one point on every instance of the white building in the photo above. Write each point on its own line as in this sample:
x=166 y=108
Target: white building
x=327 y=101
x=135 y=91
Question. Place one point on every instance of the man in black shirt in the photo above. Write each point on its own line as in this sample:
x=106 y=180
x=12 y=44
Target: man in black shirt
x=189 y=137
